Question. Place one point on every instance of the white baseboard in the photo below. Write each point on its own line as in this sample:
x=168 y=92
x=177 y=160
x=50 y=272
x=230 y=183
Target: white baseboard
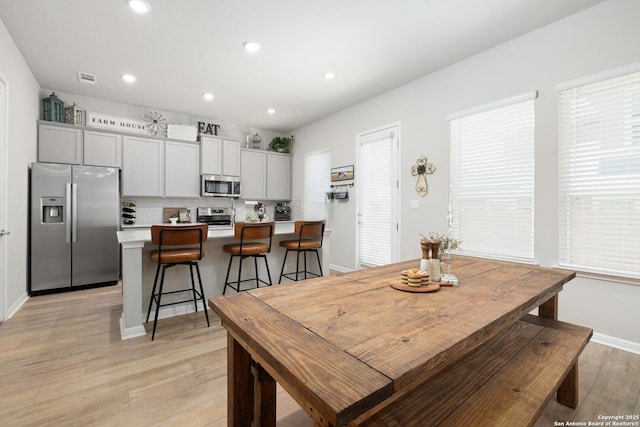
x=133 y=332
x=630 y=346
x=11 y=311
x=340 y=268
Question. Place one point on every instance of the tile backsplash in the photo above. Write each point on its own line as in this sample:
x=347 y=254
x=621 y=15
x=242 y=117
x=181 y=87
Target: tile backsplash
x=149 y=209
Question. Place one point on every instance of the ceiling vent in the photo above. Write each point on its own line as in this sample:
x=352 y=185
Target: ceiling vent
x=87 y=78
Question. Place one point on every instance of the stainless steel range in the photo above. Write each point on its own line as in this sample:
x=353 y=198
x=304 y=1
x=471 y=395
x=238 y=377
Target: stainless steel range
x=215 y=217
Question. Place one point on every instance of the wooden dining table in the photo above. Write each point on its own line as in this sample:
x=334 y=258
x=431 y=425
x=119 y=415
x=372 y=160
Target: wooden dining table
x=342 y=344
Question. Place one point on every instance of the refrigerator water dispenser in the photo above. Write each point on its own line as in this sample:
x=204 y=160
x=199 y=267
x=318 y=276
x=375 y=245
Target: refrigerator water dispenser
x=52 y=210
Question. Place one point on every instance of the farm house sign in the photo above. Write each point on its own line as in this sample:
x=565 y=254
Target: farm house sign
x=108 y=121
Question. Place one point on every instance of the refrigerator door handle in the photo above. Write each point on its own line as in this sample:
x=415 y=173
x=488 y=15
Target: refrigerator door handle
x=74 y=205
x=68 y=212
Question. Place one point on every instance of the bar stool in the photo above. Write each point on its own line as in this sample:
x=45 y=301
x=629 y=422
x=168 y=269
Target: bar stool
x=185 y=236
x=252 y=236
x=309 y=239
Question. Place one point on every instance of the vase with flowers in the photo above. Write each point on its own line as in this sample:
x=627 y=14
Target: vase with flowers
x=441 y=245
x=449 y=244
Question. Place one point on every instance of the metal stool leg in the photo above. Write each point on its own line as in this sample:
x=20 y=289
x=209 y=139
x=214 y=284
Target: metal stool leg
x=268 y=273
x=239 y=273
x=155 y=321
x=284 y=262
x=204 y=304
x=226 y=280
x=153 y=291
x=319 y=263
x=297 y=264
x=193 y=288
x=255 y=262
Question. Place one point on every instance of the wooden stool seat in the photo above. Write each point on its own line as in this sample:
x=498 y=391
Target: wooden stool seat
x=253 y=243
x=304 y=244
x=309 y=239
x=176 y=256
x=167 y=256
x=246 y=249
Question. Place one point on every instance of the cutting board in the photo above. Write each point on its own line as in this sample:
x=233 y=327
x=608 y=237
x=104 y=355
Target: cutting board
x=431 y=287
x=169 y=212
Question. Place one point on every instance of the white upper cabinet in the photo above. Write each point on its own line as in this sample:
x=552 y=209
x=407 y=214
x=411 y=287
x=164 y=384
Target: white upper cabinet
x=182 y=169
x=59 y=144
x=253 y=177
x=230 y=158
x=265 y=175
x=278 y=176
x=102 y=149
x=142 y=166
x=219 y=157
x=211 y=155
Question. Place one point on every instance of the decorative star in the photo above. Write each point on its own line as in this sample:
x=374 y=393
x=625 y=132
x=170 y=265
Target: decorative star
x=422 y=168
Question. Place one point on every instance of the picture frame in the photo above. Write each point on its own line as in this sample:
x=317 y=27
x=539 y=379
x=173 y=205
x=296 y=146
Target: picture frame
x=342 y=173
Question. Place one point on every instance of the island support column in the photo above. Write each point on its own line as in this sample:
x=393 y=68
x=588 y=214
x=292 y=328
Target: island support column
x=131 y=321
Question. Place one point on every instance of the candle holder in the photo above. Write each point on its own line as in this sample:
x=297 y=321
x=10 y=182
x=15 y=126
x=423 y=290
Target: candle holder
x=448 y=277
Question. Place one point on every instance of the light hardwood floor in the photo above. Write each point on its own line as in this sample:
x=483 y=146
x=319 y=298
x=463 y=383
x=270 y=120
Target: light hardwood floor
x=62 y=363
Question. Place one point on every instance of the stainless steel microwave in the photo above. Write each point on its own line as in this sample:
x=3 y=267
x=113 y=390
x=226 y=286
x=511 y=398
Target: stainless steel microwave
x=220 y=186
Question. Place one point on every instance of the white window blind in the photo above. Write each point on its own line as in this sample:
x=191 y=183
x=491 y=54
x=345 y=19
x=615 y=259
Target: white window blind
x=317 y=179
x=599 y=175
x=492 y=179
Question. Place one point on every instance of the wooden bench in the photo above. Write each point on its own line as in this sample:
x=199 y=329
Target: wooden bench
x=506 y=382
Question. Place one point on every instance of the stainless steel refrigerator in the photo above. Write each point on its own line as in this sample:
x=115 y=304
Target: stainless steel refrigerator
x=74 y=219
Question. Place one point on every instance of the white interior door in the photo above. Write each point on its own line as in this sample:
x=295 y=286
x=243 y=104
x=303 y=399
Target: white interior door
x=377 y=184
x=3 y=196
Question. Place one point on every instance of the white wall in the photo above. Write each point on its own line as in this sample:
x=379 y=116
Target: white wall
x=23 y=105
x=597 y=39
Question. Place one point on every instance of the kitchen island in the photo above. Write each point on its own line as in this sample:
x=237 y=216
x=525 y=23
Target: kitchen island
x=138 y=271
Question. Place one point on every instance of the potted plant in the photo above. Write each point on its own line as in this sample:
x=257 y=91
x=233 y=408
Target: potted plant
x=281 y=144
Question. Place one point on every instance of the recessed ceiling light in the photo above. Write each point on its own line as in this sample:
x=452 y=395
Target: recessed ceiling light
x=251 y=47
x=329 y=76
x=139 y=6
x=208 y=96
x=271 y=110
x=129 y=78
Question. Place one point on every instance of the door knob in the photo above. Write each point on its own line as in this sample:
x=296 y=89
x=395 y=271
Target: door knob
x=4 y=233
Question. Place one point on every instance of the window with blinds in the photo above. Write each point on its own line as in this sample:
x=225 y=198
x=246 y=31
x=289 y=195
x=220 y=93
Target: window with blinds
x=317 y=179
x=599 y=173
x=492 y=179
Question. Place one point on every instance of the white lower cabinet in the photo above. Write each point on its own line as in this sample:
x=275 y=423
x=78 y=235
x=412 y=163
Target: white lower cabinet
x=142 y=166
x=182 y=169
